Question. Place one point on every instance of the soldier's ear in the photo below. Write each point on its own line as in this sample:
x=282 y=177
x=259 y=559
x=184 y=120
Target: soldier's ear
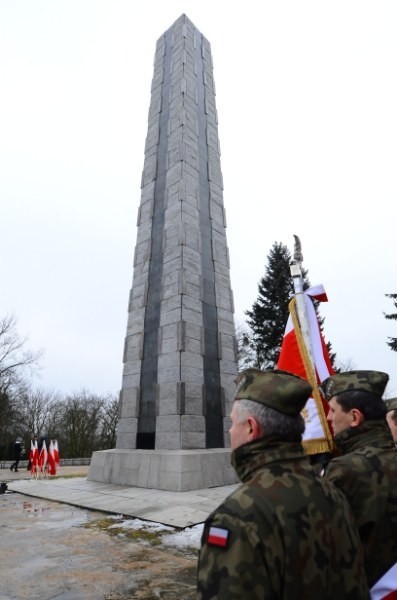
x=254 y=430
x=357 y=417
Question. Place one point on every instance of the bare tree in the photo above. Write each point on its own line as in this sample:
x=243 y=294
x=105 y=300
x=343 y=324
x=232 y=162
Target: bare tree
x=39 y=411
x=109 y=423
x=15 y=359
x=81 y=419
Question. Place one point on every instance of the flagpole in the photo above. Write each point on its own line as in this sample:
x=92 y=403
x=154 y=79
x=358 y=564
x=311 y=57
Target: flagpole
x=304 y=333
x=297 y=279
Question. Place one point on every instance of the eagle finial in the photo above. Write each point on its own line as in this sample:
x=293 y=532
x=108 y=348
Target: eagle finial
x=298 y=256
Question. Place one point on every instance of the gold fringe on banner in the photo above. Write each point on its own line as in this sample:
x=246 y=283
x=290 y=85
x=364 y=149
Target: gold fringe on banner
x=319 y=445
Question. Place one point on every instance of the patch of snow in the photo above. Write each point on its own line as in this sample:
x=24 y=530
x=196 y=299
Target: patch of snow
x=188 y=537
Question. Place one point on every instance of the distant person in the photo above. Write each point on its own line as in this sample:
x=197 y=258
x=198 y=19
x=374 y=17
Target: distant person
x=366 y=470
x=391 y=416
x=17 y=454
x=285 y=533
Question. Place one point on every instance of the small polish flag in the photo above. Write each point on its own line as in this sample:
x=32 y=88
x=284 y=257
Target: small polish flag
x=217 y=537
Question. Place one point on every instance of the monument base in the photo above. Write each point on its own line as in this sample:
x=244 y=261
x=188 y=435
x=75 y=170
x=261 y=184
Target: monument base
x=172 y=470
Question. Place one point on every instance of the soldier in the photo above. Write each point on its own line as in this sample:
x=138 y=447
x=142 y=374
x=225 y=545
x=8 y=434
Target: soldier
x=285 y=533
x=391 y=416
x=366 y=471
x=17 y=455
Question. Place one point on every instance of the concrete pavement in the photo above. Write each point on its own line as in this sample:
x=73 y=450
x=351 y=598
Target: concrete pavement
x=177 y=509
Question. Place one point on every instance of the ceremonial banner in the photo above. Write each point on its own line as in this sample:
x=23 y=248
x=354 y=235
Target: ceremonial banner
x=33 y=458
x=56 y=453
x=295 y=358
x=52 y=465
x=43 y=458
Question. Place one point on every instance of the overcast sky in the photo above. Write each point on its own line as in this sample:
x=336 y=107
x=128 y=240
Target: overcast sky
x=307 y=106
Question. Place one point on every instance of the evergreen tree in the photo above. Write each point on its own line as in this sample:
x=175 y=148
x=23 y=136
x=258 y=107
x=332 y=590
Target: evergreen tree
x=393 y=316
x=269 y=314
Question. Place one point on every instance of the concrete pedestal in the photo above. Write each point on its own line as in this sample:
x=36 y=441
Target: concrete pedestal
x=172 y=470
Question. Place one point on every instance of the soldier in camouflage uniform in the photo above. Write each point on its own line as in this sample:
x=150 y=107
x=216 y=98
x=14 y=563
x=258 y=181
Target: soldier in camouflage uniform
x=284 y=533
x=366 y=471
x=391 y=416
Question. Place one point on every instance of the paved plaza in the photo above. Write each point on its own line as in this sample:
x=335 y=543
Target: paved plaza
x=67 y=538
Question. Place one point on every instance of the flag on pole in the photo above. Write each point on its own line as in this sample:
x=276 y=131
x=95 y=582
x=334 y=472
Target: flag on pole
x=52 y=465
x=33 y=458
x=295 y=358
x=43 y=458
x=56 y=453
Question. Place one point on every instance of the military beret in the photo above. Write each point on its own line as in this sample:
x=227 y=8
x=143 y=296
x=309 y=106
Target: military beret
x=280 y=390
x=373 y=382
x=391 y=404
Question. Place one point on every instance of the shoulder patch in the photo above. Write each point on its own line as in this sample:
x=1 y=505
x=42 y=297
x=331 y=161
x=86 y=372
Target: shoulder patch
x=217 y=536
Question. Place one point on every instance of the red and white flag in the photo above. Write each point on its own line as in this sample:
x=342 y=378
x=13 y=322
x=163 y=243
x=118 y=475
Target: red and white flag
x=52 y=465
x=43 y=457
x=33 y=457
x=56 y=453
x=317 y=436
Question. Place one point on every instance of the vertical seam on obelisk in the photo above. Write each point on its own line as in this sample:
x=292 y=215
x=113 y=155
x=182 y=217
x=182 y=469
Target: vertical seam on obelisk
x=214 y=436
x=149 y=366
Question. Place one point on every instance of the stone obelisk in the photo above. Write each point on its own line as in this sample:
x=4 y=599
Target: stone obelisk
x=180 y=349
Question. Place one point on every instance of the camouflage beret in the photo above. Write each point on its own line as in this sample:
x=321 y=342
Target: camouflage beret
x=373 y=382
x=391 y=404
x=282 y=391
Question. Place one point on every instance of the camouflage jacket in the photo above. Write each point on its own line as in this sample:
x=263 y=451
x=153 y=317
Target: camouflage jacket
x=284 y=534
x=367 y=474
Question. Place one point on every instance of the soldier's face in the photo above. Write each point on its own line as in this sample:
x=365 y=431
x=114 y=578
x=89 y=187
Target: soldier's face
x=392 y=424
x=339 y=419
x=239 y=431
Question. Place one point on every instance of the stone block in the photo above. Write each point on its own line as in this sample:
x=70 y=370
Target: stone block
x=169 y=345
x=193 y=330
x=144 y=235
x=143 y=252
x=155 y=104
x=172 y=359
x=167 y=441
x=131 y=381
x=125 y=440
x=191 y=316
x=192 y=303
x=192 y=346
x=170 y=316
x=168 y=375
x=192 y=423
x=172 y=302
x=129 y=403
x=190 y=359
x=132 y=367
x=192 y=374
x=169 y=405
x=150 y=168
x=133 y=347
x=193 y=406
x=135 y=322
x=168 y=424
x=152 y=138
x=192 y=440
